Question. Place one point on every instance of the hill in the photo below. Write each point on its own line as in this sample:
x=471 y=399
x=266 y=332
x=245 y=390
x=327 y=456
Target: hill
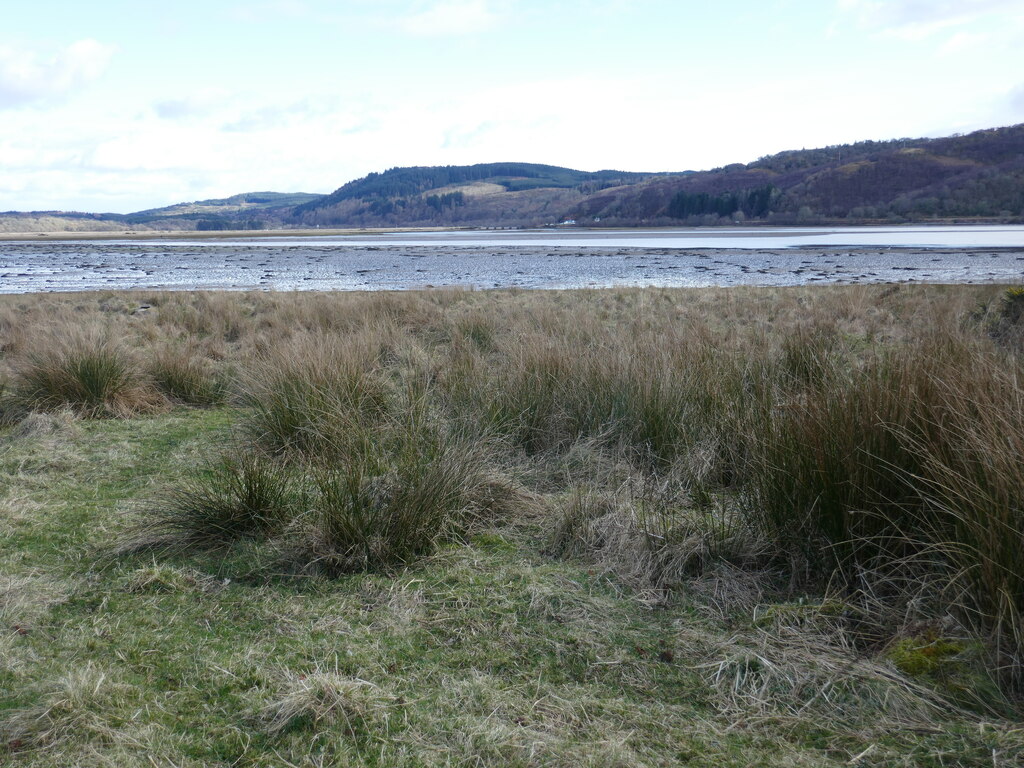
x=250 y=210
x=254 y=209
x=976 y=177
x=486 y=194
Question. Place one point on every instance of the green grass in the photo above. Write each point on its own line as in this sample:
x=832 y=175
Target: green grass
x=485 y=652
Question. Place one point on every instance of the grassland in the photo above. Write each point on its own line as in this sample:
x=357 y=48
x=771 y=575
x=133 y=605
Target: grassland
x=743 y=526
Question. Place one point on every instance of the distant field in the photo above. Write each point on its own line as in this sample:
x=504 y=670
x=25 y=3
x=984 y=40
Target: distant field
x=635 y=527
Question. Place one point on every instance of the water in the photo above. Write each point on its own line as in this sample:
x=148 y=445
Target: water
x=527 y=259
x=739 y=238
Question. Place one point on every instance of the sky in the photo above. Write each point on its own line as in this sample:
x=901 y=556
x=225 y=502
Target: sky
x=123 y=105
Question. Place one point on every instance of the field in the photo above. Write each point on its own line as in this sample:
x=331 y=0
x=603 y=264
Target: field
x=638 y=527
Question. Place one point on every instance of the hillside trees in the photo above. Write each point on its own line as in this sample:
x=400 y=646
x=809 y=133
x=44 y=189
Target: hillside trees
x=753 y=203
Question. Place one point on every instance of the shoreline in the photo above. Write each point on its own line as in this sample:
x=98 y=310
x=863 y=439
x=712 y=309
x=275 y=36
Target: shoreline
x=223 y=234
x=764 y=230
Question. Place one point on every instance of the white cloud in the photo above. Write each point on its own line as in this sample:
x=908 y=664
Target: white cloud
x=1016 y=102
x=917 y=19
x=26 y=77
x=450 y=17
x=112 y=157
x=961 y=42
x=197 y=104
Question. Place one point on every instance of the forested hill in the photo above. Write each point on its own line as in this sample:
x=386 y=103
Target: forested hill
x=972 y=177
x=513 y=177
x=486 y=194
x=977 y=177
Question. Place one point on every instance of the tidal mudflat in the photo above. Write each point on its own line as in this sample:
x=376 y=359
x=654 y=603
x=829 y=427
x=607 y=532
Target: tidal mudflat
x=310 y=264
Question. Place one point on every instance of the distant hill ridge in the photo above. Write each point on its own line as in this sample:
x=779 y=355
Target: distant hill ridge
x=974 y=177
x=514 y=177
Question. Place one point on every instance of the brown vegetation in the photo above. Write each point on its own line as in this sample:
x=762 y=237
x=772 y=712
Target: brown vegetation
x=863 y=442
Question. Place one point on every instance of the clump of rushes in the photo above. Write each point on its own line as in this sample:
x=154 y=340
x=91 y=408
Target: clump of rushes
x=87 y=372
x=972 y=485
x=184 y=376
x=396 y=489
x=250 y=496
x=829 y=478
x=378 y=511
x=306 y=398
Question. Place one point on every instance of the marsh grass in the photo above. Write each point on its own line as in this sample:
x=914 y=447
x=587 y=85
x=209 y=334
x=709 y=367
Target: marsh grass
x=85 y=371
x=629 y=527
x=185 y=376
x=816 y=442
x=238 y=496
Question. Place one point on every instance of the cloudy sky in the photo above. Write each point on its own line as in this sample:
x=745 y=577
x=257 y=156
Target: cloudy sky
x=121 y=105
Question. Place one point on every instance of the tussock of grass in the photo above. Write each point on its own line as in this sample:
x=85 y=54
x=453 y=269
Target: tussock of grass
x=795 y=674
x=75 y=708
x=248 y=496
x=320 y=700
x=162 y=578
x=45 y=425
x=184 y=376
x=25 y=599
x=649 y=537
x=85 y=372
